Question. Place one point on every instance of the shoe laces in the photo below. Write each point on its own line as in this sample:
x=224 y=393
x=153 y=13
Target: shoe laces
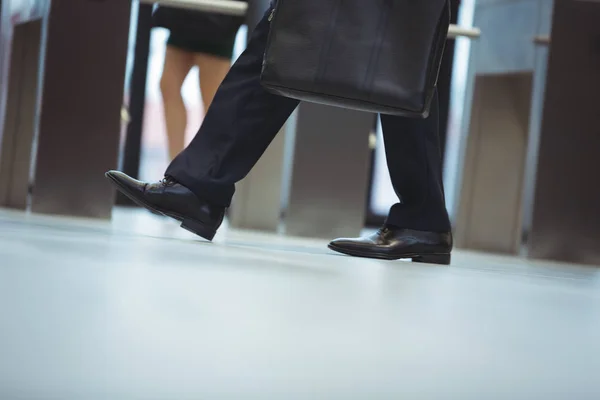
x=167 y=181
x=384 y=230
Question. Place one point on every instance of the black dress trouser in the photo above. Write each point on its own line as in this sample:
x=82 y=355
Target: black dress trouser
x=243 y=119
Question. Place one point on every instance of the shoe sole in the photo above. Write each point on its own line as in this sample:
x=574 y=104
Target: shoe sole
x=196 y=227
x=436 y=258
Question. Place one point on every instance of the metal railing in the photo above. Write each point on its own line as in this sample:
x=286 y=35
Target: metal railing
x=240 y=8
x=458 y=31
x=228 y=7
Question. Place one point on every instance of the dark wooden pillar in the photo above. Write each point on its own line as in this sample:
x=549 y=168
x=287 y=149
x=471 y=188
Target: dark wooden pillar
x=80 y=119
x=21 y=32
x=566 y=212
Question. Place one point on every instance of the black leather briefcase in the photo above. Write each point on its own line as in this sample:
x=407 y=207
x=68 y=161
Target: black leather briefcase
x=372 y=55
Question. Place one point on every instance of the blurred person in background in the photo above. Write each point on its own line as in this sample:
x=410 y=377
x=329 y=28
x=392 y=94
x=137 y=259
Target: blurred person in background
x=205 y=40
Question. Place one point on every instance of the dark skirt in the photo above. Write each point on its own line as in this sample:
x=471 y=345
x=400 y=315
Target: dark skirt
x=219 y=48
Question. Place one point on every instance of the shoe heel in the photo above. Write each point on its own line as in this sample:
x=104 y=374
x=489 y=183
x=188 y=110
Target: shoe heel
x=443 y=259
x=198 y=228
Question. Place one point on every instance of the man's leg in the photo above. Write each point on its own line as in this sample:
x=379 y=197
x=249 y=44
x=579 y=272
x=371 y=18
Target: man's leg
x=240 y=124
x=418 y=227
x=415 y=164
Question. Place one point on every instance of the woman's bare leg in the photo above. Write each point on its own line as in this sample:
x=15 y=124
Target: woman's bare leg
x=177 y=66
x=212 y=72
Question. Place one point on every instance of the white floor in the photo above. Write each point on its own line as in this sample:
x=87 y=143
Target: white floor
x=140 y=309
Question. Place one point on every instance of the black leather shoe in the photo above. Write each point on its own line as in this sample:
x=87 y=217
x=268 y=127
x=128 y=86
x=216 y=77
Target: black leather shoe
x=174 y=200
x=391 y=243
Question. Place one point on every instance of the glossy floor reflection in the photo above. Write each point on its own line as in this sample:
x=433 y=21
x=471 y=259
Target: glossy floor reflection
x=140 y=309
